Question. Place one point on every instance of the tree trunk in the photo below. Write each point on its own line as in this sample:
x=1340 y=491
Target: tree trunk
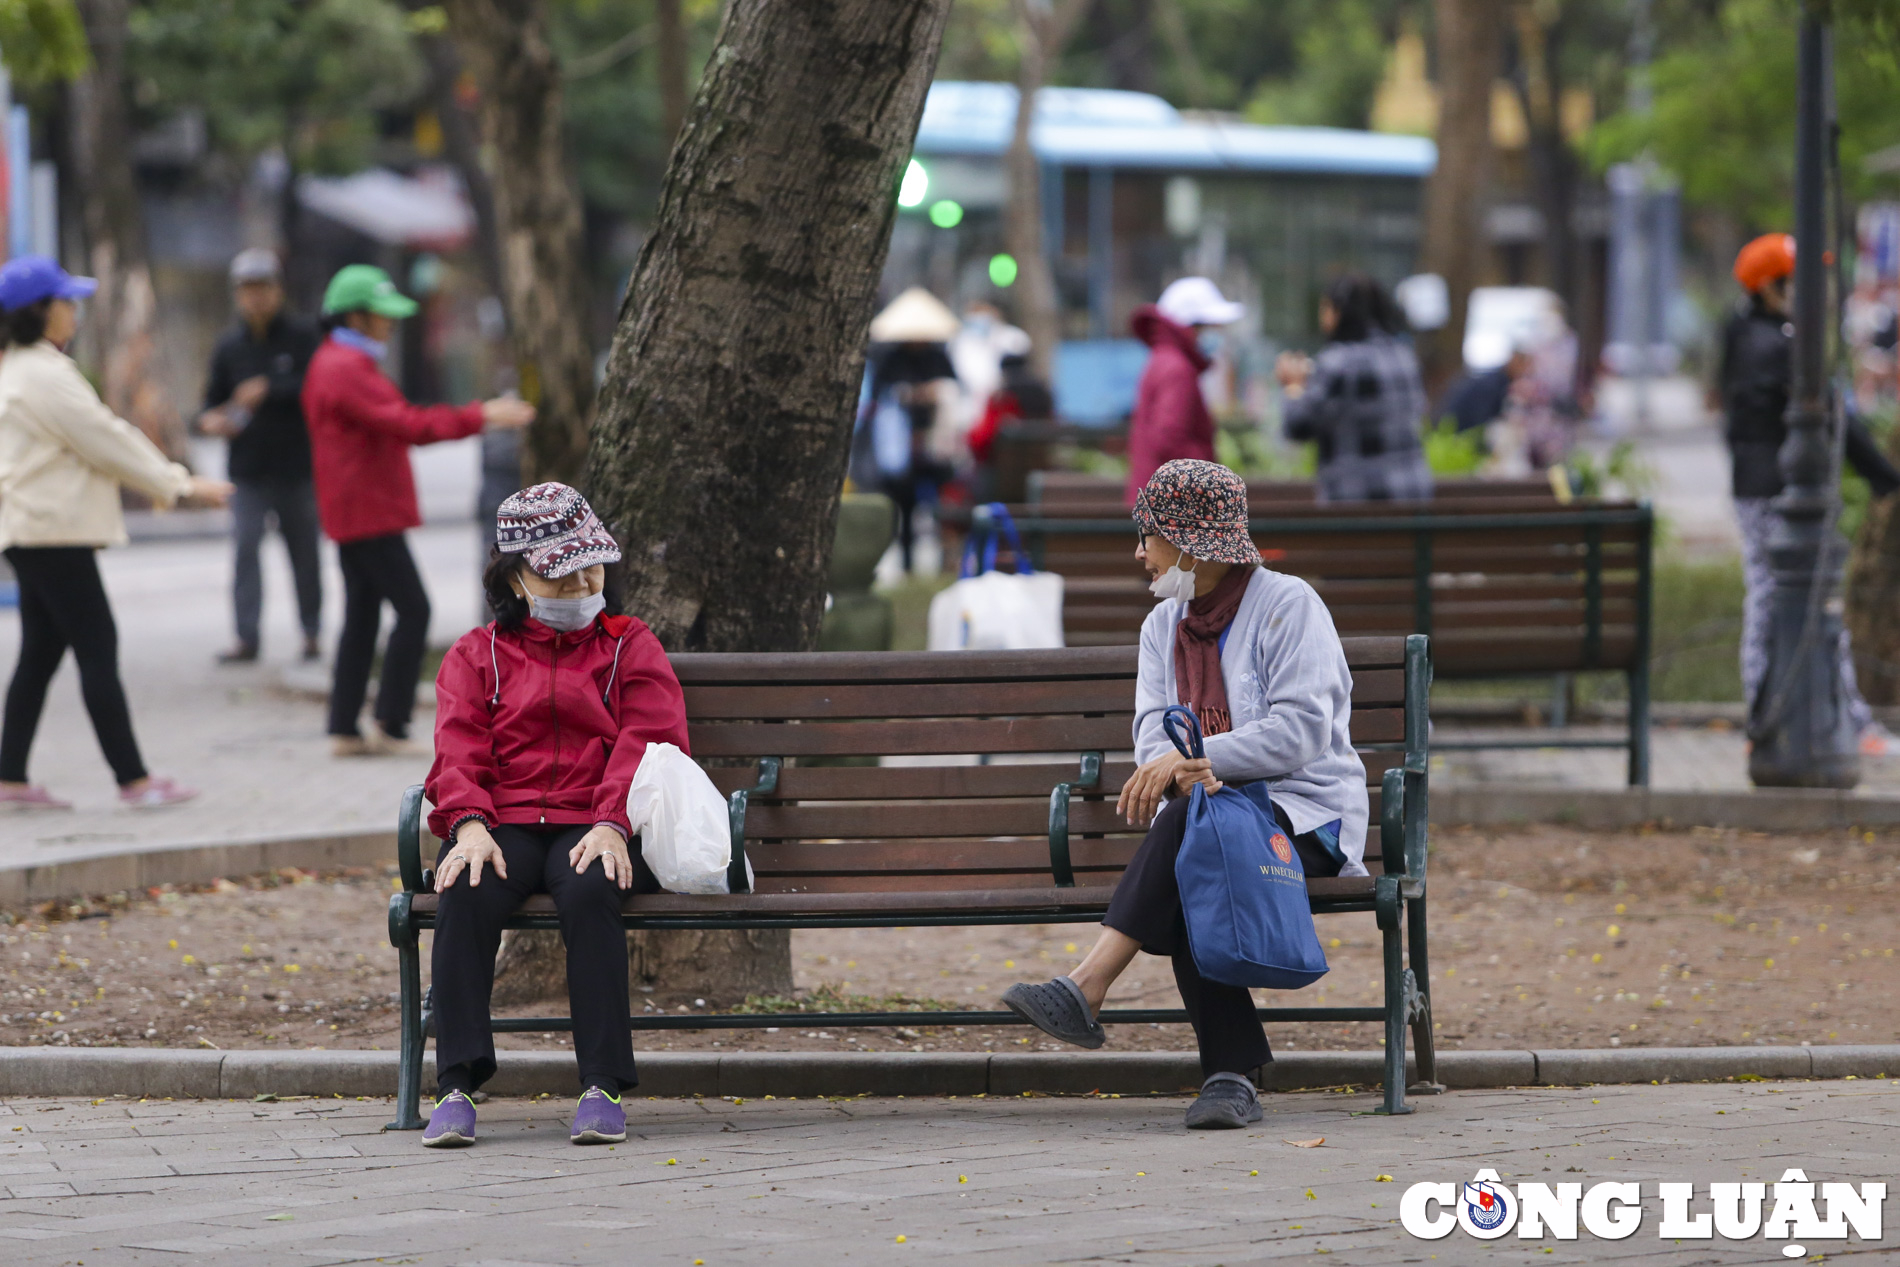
x=1456 y=245
x=538 y=211
x=671 y=31
x=120 y=341
x=725 y=418
x=1044 y=32
x=462 y=146
x=1540 y=89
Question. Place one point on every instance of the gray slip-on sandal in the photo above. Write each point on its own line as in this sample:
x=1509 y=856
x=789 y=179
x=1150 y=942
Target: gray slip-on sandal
x=1058 y=1009
x=1227 y=1103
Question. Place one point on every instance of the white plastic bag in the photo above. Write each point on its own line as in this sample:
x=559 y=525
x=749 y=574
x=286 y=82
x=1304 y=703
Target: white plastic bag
x=998 y=611
x=685 y=833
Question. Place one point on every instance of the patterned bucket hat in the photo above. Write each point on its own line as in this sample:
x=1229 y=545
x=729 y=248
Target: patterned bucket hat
x=555 y=527
x=1200 y=508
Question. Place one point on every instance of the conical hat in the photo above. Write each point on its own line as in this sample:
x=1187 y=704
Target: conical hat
x=916 y=316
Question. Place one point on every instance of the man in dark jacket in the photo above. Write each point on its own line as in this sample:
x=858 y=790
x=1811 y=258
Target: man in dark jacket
x=252 y=400
x=1756 y=372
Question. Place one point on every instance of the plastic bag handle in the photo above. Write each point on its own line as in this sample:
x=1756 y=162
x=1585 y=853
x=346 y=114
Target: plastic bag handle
x=999 y=520
x=1171 y=723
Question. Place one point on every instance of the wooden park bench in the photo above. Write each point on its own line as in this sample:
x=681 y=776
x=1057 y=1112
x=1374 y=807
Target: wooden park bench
x=1013 y=822
x=1509 y=588
x=1055 y=491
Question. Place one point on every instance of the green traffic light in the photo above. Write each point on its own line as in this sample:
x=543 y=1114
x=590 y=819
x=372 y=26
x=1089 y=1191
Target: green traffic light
x=946 y=214
x=1002 y=270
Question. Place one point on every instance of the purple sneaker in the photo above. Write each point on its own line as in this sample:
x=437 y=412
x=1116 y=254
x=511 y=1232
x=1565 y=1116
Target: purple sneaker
x=452 y=1124
x=599 y=1119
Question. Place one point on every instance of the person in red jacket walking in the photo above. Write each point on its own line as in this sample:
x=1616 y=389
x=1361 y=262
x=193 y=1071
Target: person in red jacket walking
x=541 y=720
x=361 y=430
x=1171 y=419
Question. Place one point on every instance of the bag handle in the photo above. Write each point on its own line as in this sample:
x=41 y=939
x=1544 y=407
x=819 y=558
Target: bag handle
x=1000 y=523
x=1172 y=722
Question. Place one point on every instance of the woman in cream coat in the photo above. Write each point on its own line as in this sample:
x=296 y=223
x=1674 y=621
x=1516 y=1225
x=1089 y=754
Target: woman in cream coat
x=63 y=458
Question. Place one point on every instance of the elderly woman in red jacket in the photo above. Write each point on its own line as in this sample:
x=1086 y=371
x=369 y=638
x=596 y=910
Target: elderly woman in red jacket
x=541 y=720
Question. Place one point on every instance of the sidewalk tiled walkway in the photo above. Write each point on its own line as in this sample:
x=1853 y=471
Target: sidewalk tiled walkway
x=893 y=1181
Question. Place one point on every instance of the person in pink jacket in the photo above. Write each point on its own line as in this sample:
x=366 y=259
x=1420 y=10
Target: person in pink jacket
x=1171 y=419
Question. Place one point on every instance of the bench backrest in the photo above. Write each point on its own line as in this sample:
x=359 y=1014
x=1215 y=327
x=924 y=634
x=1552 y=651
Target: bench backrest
x=1519 y=588
x=1053 y=489
x=933 y=770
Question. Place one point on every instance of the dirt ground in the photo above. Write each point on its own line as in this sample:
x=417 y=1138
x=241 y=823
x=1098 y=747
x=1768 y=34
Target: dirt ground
x=1541 y=937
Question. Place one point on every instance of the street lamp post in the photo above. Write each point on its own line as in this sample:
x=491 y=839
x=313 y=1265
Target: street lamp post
x=1803 y=736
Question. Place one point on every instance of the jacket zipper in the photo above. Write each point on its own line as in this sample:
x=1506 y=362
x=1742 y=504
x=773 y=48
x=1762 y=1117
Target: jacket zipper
x=554 y=715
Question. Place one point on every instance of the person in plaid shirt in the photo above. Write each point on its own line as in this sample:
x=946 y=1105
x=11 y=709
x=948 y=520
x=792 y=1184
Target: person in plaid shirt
x=1360 y=399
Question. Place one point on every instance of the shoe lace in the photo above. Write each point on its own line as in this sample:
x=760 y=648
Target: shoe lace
x=591 y=1092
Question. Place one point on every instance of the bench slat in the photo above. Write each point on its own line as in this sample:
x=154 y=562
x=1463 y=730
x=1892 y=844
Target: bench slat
x=896 y=738
x=859 y=858
x=969 y=699
x=920 y=783
x=973 y=901
x=872 y=820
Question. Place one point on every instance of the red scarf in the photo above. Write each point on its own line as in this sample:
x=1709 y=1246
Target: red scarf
x=1197 y=678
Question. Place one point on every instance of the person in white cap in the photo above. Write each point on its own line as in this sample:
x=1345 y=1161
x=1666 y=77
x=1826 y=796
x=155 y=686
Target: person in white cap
x=253 y=400
x=1171 y=418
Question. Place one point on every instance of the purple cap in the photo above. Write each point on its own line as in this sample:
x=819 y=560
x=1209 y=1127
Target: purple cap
x=28 y=279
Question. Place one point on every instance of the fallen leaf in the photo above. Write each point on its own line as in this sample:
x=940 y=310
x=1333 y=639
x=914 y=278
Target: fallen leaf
x=278 y=1218
x=1307 y=1143
x=1382 y=1179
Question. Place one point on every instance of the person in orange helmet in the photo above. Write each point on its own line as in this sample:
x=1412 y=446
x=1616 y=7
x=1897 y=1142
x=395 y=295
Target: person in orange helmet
x=1756 y=372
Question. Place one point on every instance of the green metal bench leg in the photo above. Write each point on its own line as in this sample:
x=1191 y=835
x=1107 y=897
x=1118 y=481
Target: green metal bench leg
x=1639 y=726
x=409 y=1072
x=1389 y=909
x=1424 y=1047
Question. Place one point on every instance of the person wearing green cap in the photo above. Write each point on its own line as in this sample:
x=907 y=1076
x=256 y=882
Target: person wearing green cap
x=361 y=430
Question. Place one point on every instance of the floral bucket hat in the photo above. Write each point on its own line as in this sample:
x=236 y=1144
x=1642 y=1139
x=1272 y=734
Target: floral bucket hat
x=1200 y=508
x=555 y=527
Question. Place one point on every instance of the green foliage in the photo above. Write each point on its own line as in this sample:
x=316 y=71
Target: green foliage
x=1341 y=58
x=1449 y=451
x=1697 y=641
x=1725 y=103
x=1620 y=471
x=44 y=41
x=309 y=77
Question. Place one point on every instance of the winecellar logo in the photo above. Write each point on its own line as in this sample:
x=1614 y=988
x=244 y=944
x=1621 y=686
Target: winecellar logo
x=1282 y=847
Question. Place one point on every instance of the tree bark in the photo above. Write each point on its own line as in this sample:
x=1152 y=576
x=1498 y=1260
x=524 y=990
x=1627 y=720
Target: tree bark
x=1456 y=246
x=1044 y=30
x=671 y=30
x=726 y=413
x=725 y=417
x=538 y=213
x=1540 y=90
x=1873 y=594
x=119 y=339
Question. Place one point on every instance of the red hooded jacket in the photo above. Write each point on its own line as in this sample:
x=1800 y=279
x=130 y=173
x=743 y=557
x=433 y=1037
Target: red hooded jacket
x=361 y=430
x=559 y=739
x=1170 y=420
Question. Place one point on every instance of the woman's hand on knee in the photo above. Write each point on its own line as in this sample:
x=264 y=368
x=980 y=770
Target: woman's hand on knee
x=1141 y=795
x=607 y=844
x=474 y=849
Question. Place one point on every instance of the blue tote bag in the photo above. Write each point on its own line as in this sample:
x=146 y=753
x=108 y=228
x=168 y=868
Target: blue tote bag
x=1243 y=889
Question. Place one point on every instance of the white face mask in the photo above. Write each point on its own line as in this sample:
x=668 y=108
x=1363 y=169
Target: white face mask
x=1174 y=583
x=566 y=614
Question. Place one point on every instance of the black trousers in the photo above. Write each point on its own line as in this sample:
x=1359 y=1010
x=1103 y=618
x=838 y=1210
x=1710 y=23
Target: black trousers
x=63 y=604
x=1147 y=907
x=376 y=571
x=468 y=933
x=294 y=504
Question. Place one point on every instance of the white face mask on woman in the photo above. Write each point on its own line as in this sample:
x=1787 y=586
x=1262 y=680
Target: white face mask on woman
x=1174 y=583
x=566 y=614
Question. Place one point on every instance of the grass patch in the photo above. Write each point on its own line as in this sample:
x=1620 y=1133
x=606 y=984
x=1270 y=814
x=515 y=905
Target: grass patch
x=910 y=604
x=831 y=998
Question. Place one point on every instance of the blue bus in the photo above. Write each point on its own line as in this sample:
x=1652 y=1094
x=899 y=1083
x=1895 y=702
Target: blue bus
x=1137 y=193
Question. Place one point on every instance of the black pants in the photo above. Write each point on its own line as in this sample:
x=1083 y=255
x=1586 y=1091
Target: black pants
x=468 y=933
x=377 y=571
x=294 y=505
x=1147 y=907
x=63 y=604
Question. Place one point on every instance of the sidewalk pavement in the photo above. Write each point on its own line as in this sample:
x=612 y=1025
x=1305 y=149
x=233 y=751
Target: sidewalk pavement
x=250 y=737
x=1022 y=1180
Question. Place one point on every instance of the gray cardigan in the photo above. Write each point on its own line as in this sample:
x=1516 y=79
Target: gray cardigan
x=1291 y=697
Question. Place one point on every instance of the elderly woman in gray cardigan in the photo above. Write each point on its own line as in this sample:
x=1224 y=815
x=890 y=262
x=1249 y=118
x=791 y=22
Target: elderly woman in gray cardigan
x=1254 y=654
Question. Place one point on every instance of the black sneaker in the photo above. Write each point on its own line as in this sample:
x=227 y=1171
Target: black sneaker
x=1227 y=1103
x=241 y=653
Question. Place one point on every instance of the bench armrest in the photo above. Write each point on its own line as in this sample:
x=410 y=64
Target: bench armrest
x=409 y=840
x=769 y=768
x=1088 y=779
x=1392 y=819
